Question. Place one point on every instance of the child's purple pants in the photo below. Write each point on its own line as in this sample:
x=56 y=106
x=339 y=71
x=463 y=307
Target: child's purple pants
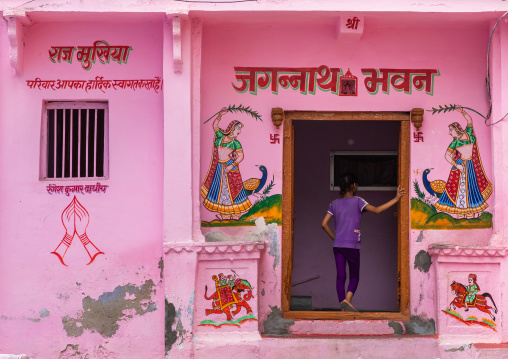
x=352 y=257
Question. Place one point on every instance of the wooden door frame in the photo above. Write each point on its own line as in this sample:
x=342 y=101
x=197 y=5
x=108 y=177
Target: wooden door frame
x=288 y=210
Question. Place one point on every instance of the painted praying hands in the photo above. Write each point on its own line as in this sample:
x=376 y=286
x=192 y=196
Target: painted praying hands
x=75 y=219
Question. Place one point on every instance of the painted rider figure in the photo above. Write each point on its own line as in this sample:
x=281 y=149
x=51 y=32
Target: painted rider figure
x=472 y=289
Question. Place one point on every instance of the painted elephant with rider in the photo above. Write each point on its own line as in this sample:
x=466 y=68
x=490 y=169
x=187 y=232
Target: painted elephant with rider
x=229 y=297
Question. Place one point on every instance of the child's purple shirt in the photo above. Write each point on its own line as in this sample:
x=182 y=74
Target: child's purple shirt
x=347 y=213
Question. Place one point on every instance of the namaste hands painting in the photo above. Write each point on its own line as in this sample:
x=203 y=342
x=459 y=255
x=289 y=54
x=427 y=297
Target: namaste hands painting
x=75 y=219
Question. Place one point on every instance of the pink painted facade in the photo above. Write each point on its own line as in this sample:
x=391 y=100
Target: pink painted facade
x=187 y=260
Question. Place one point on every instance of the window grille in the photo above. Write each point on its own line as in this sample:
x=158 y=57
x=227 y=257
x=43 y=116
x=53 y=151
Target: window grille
x=75 y=140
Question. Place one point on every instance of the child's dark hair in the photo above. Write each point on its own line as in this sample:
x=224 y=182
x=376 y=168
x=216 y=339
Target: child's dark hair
x=346 y=182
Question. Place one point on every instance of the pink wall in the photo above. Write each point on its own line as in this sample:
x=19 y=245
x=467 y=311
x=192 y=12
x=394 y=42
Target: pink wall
x=125 y=221
x=458 y=52
x=160 y=151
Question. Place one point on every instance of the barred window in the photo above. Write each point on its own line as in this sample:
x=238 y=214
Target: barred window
x=74 y=140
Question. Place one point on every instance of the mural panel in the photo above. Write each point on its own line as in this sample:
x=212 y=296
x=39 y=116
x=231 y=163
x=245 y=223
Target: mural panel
x=235 y=201
x=469 y=296
x=230 y=297
x=460 y=201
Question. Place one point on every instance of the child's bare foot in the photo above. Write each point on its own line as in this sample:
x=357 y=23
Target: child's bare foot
x=348 y=307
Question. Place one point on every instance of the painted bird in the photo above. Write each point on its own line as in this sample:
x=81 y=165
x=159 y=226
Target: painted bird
x=254 y=185
x=435 y=188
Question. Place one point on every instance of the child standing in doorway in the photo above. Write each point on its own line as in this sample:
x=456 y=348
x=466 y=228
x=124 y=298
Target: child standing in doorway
x=347 y=212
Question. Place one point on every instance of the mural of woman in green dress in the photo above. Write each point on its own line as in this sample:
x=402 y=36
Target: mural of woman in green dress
x=223 y=190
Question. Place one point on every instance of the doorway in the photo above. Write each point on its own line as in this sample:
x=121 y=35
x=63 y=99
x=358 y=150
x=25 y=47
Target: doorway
x=310 y=141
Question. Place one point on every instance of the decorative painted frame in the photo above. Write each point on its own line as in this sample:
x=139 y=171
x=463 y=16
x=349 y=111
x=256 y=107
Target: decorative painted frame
x=288 y=208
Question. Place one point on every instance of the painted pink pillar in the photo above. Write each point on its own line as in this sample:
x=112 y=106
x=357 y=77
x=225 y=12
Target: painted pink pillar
x=499 y=48
x=499 y=75
x=196 y=44
x=179 y=232
x=177 y=134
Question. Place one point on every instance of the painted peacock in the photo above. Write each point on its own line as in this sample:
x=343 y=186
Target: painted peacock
x=435 y=188
x=254 y=185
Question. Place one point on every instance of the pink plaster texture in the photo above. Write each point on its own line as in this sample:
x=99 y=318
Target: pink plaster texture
x=125 y=221
x=144 y=297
